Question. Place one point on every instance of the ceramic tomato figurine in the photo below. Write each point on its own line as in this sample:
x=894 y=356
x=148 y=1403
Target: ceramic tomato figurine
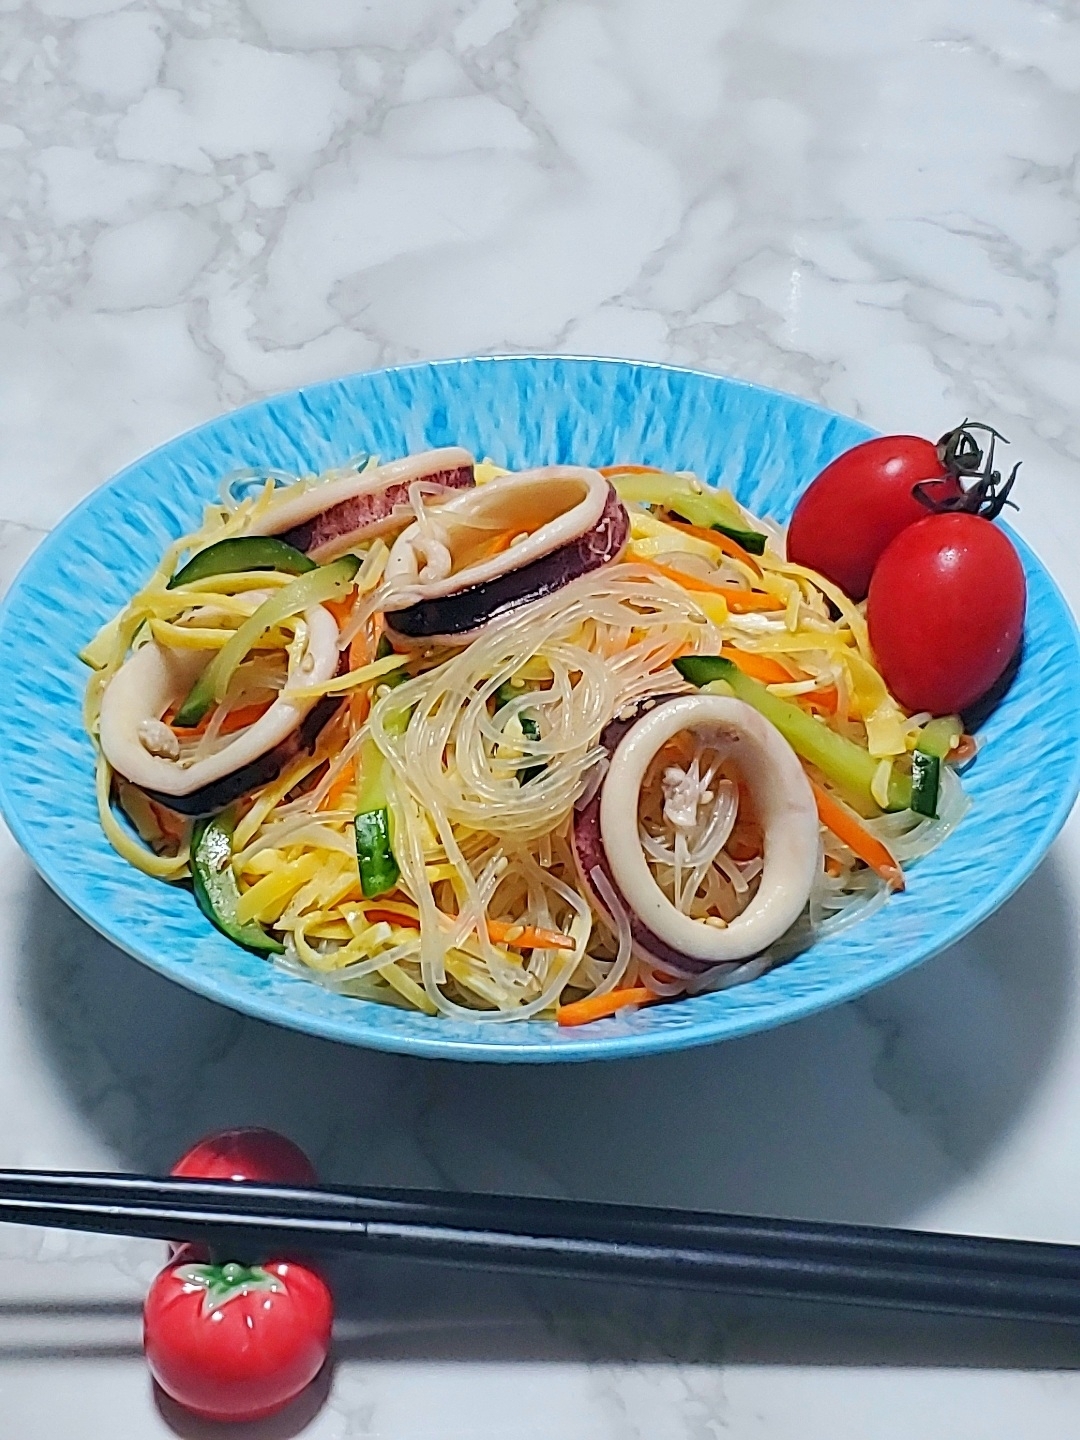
x=231 y=1341
x=250 y=1153
x=246 y=1153
x=236 y=1342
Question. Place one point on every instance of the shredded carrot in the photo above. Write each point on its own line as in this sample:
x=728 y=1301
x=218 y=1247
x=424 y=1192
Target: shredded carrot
x=964 y=749
x=832 y=866
x=359 y=708
x=740 y=602
x=237 y=719
x=497 y=546
x=597 y=1007
x=758 y=667
x=722 y=542
x=846 y=826
x=243 y=717
x=364 y=644
x=771 y=672
x=333 y=798
x=392 y=917
x=609 y=470
x=362 y=652
x=824 y=701
x=527 y=937
x=340 y=609
x=747 y=602
x=522 y=937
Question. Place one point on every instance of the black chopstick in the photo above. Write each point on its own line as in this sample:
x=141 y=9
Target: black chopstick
x=793 y=1259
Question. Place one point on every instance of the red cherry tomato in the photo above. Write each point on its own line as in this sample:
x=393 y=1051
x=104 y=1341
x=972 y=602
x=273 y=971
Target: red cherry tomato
x=860 y=502
x=946 y=611
x=231 y=1342
x=247 y=1154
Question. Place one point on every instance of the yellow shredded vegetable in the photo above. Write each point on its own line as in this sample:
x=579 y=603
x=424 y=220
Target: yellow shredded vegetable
x=483 y=754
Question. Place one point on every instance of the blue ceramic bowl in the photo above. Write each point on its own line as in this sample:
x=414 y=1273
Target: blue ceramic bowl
x=520 y=412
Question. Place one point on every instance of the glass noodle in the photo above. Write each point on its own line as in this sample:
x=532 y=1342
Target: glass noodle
x=489 y=752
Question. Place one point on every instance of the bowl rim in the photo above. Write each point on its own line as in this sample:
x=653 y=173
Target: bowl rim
x=707 y=1029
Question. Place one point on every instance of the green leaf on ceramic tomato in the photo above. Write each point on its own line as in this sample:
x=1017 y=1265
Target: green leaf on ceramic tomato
x=223 y=1283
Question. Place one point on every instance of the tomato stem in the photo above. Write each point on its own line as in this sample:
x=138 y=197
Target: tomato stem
x=964 y=458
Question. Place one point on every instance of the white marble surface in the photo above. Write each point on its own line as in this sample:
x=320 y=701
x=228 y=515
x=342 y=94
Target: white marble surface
x=867 y=202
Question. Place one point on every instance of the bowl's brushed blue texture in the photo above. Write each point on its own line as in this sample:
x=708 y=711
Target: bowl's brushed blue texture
x=520 y=412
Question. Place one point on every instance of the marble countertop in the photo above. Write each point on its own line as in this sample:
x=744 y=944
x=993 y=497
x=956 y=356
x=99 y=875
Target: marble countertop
x=867 y=203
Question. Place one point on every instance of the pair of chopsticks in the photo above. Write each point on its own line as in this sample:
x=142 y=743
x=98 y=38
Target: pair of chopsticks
x=792 y=1259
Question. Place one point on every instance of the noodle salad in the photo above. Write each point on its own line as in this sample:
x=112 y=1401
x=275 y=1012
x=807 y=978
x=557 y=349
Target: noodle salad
x=499 y=746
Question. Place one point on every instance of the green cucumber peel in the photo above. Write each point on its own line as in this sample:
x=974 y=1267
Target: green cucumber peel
x=242 y=552
x=326 y=582
x=506 y=692
x=938 y=737
x=846 y=764
x=214 y=882
x=379 y=870
x=698 y=504
x=531 y=730
x=372 y=793
x=925 y=783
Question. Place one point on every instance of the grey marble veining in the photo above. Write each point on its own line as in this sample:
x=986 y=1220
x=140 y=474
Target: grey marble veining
x=870 y=204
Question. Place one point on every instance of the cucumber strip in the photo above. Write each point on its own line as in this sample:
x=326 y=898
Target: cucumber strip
x=846 y=764
x=531 y=730
x=392 y=679
x=506 y=692
x=379 y=871
x=937 y=737
x=752 y=541
x=372 y=792
x=243 y=552
x=326 y=582
x=374 y=853
x=925 y=783
x=216 y=891
x=698 y=504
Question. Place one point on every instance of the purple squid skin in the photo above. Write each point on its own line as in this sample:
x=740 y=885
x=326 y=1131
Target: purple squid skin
x=352 y=515
x=589 y=853
x=213 y=798
x=468 y=609
x=217 y=796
